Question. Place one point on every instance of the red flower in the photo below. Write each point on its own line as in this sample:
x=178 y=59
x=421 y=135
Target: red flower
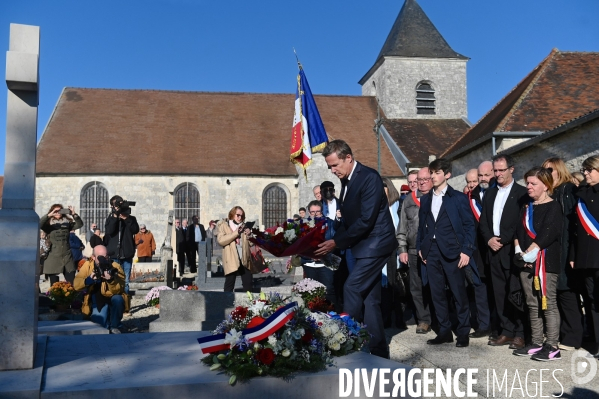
x=239 y=313
x=308 y=336
x=257 y=320
x=266 y=356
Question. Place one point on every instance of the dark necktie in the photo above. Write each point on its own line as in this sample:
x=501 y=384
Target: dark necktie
x=343 y=189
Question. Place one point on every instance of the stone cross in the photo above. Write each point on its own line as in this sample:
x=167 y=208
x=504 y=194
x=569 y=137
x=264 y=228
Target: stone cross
x=19 y=224
x=166 y=251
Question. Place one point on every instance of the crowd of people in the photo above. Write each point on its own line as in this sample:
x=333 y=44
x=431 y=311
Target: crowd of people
x=508 y=263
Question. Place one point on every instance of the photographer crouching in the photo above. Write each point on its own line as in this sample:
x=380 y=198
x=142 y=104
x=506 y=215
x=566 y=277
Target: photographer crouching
x=121 y=228
x=105 y=299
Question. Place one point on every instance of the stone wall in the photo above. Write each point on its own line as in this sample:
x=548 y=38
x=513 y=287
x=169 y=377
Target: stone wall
x=397 y=78
x=154 y=195
x=573 y=146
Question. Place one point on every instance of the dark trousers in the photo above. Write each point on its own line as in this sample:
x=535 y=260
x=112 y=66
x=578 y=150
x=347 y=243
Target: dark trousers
x=68 y=276
x=191 y=257
x=362 y=300
x=391 y=302
x=591 y=295
x=421 y=295
x=481 y=304
x=144 y=259
x=441 y=271
x=246 y=280
x=181 y=260
x=326 y=277
x=570 y=310
x=510 y=317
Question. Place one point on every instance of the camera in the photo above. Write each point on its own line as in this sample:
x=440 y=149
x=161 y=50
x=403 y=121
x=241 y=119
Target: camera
x=64 y=211
x=124 y=206
x=104 y=265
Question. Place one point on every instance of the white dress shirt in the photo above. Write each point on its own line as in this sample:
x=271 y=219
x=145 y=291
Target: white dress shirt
x=500 y=200
x=437 y=201
x=198 y=233
x=344 y=193
x=331 y=209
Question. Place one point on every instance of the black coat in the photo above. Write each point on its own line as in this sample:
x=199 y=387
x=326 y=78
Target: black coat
x=180 y=240
x=564 y=195
x=191 y=234
x=128 y=229
x=480 y=254
x=510 y=218
x=95 y=240
x=583 y=248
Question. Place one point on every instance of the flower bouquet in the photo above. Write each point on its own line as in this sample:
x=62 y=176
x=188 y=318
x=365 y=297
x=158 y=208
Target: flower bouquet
x=153 y=297
x=313 y=294
x=291 y=238
x=276 y=336
x=188 y=288
x=62 y=293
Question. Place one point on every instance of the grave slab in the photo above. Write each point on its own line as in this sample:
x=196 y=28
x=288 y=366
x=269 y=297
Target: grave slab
x=25 y=384
x=69 y=327
x=154 y=365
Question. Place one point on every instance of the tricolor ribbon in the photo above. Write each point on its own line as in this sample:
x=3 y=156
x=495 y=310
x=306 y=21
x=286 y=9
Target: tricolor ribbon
x=590 y=224
x=475 y=207
x=540 y=279
x=276 y=321
x=415 y=198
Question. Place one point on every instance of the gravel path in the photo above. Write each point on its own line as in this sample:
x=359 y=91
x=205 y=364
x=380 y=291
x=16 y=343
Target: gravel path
x=141 y=316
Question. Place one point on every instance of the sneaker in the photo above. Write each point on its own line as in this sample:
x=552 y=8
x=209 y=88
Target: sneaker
x=528 y=350
x=115 y=331
x=547 y=354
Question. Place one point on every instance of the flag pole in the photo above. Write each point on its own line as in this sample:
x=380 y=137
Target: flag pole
x=299 y=65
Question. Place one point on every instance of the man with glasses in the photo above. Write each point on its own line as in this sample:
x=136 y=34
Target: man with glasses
x=197 y=234
x=413 y=180
x=315 y=269
x=498 y=221
x=91 y=232
x=407 y=231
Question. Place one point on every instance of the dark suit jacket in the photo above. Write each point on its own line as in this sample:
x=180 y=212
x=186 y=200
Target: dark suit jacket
x=517 y=197
x=455 y=206
x=180 y=240
x=366 y=226
x=191 y=233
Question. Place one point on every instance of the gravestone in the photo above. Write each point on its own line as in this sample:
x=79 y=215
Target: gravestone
x=19 y=224
x=166 y=250
x=202 y=263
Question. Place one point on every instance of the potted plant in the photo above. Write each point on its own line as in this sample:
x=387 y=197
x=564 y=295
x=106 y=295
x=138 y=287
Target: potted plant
x=62 y=294
x=153 y=297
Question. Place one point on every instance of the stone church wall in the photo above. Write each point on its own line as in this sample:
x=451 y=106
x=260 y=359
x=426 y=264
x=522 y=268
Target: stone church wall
x=154 y=195
x=397 y=78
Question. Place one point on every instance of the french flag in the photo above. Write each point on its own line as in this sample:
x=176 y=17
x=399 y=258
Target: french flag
x=308 y=134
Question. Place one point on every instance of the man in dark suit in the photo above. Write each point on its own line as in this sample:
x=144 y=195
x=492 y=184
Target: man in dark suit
x=367 y=228
x=445 y=244
x=498 y=221
x=180 y=246
x=196 y=234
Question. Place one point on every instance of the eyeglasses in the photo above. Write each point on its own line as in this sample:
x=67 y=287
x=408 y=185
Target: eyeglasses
x=586 y=170
x=239 y=214
x=315 y=213
x=423 y=180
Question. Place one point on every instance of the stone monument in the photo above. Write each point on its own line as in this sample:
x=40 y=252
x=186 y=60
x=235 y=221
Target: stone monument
x=19 y=224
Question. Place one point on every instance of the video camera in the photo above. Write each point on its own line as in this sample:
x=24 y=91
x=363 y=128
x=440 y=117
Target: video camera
x=104 y=265
x=124 y=206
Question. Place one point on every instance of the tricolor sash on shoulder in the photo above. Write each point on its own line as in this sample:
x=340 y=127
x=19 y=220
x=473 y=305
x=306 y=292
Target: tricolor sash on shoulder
x=415 y=198
x=215 y=343
x=540 y=270
x=475 y=207
x=590 y=224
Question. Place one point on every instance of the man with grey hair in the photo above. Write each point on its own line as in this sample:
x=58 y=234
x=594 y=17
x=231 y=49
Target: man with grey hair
x=471 y=180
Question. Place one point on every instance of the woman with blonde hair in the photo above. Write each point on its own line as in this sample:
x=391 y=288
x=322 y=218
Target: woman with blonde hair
x=538 y=250
x=568 y=299
x=233 y=237
x=585 y=239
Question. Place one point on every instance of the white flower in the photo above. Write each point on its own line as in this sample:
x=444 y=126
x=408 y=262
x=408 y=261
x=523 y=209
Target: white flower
x=326 y=331
x=290 y=236
x=339 y=337
x=258 y=307
x=232 y=337
x=279 y=230
x=286 y=353
x=335 y=346
x=311 y=223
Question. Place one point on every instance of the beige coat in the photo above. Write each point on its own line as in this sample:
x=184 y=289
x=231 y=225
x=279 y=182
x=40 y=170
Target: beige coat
x=226 y=238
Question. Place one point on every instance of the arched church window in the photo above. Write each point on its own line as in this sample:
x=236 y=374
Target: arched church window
x=425 y=99
x=94 y=206
x=274 y=205
x=187 y=201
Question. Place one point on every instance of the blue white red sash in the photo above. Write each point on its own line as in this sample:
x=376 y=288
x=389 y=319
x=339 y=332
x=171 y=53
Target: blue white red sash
x=475 y=207
x=590 y=224
x=215 y=343
x=415 y=198
x=540 y=279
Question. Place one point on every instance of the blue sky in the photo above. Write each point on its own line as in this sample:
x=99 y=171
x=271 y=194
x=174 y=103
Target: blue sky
x=242 y=46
